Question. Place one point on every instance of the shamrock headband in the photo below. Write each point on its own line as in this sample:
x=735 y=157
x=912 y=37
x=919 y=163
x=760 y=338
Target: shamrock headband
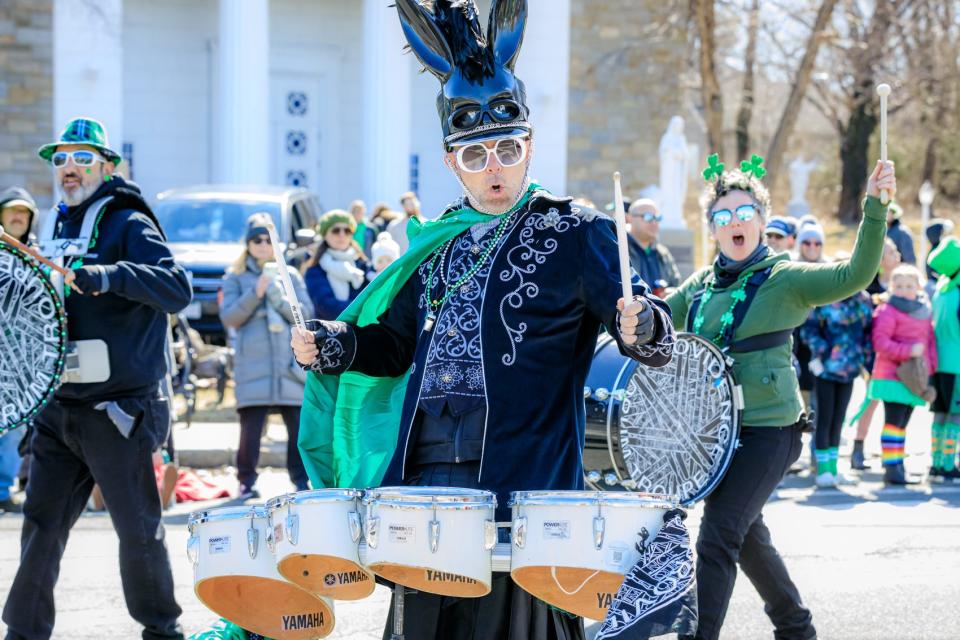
x=747 y=178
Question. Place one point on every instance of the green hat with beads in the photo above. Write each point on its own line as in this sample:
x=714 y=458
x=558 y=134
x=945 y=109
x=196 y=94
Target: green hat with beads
x=83 y=131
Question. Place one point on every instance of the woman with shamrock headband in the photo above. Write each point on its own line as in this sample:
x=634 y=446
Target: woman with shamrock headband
x=748 y=302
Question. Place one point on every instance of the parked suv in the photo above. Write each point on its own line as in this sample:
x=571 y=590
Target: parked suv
x=205 y=227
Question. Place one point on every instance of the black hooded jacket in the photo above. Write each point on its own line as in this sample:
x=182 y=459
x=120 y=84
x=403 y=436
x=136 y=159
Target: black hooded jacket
x=145 y=284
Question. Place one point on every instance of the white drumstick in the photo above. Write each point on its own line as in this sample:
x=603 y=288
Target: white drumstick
x=285 y=278
x=620 y=217
x=883 y=91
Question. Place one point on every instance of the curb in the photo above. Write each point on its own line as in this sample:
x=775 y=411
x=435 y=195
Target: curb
x=271 y=455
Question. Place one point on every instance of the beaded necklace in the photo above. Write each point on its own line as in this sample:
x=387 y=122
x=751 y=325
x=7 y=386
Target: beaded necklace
x=434 y=304
x=726 y=319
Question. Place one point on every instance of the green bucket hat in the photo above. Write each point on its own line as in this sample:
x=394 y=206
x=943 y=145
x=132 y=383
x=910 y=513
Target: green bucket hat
x=336 y=216
x=83 y=131
x=945 y=259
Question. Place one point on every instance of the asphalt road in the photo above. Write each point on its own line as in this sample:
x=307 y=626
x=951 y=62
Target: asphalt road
x=872 y=564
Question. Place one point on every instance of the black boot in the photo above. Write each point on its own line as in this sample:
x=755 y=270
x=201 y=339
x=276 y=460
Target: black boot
x=856 y=458
x=894 y=474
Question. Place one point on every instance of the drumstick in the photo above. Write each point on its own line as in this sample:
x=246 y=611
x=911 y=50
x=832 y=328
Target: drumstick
x=6 y=237
x=883 y=91
x=621 y=219
x=285 y=278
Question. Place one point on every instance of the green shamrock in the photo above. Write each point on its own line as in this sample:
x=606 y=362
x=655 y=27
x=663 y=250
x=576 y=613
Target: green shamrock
x=739 y=295
x=726 y=318
x=714 y=168
x=754 y=166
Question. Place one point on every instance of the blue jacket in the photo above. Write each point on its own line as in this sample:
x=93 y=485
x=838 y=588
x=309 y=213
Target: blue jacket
x=326 y=306
x=839 y=335
x=554 y=282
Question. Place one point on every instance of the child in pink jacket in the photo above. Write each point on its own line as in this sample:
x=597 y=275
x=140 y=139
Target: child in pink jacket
x=902 y=329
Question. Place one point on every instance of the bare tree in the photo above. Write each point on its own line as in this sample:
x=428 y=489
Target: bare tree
x=705 y=20
x=745 y=113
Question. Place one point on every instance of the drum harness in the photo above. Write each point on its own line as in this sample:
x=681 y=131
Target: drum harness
x=759 y=342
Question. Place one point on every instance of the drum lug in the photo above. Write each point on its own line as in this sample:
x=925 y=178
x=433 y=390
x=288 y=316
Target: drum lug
x=193 y=546
x=619 y=395
x=601 y=394
x=489 y=534
x=353 y=520
x=586 y=393
x=520 y=531
x=434 y=535
x=599 y=524
x=291 y=524
x=271 y=542
x=253 y=541
x=372 y=533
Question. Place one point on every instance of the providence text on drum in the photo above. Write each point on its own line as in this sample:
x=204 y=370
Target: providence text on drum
x=433 y=539
x=572 y=549
x=235 y=576
x=33 y=338
x=316 y=536
x=671 y=430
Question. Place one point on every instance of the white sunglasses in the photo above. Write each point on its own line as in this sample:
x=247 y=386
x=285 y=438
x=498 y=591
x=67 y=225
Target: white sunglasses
x=474 y=158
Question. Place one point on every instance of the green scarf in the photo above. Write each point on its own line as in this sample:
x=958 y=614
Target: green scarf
x=350 y=423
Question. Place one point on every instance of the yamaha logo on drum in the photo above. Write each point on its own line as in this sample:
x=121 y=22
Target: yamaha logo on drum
x=303 y=621
x=440 y=576
x=604 y=600
x=345 y=577
x=330 y=579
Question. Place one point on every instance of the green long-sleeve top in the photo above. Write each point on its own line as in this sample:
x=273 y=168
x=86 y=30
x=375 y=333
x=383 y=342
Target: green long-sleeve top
x=946 y=325
x=771 y=393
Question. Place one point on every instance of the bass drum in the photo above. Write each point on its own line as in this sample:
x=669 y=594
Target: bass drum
x=671 y=430
x=33 y=339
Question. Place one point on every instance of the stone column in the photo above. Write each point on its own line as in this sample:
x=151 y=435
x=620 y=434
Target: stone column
x=386 y=105
x=88 y=64
x=243 y=153
x=544 y=67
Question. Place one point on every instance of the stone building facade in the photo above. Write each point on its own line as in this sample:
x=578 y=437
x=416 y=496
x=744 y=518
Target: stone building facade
x=26 y=94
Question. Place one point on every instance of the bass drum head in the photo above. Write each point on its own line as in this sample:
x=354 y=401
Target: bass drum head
x=33 y=339
x=670 y=430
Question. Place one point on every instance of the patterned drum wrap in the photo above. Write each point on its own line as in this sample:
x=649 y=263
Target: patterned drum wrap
x=33 y=338
x=671 y=430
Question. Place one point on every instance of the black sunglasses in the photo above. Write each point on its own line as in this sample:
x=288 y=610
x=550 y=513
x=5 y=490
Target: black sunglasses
x=261 y=240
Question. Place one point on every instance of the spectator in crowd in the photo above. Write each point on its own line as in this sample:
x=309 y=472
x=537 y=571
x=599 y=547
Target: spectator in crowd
x=9 y=466
x=366 y=234
x=382 y=216
x=902 y=330
x=946 y=323
x=17 y=213
x=900 y=234
x=385 y=252
x=838 y=336
x=398 y=228
x=652 y=260
x=810 y=237
x=337 y=271
x=888 y=262
x=266 y=377
x=781 y=233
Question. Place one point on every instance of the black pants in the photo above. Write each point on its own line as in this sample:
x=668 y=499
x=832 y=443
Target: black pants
x=74 y=447
x=832 y=401
x=732 y=531
x=897 y=414
x=252 y=421
x=506 y=613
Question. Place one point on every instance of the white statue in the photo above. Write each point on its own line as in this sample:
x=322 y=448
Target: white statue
x=673 y=174
x=800 y=179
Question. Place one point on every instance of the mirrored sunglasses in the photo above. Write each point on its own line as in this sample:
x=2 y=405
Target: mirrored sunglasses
x=648 y=217
x=474 y=158
x=723 y=217
x=80 y=157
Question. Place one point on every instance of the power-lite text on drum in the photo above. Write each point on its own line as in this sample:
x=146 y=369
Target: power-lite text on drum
x=33 y=338
x=671 y=430
x=235 y=575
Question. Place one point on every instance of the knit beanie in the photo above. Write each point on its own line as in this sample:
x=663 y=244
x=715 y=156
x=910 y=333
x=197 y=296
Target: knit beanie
x=385 y=246
x=336 y=216
x=812 y=231
x=257 y=225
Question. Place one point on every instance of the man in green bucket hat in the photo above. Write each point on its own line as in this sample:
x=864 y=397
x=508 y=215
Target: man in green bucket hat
x=107 y=417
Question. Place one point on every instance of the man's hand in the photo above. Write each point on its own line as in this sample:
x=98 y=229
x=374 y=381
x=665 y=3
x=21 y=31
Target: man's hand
x=637 y=321
x=86 y=279
x=884 y=177
x=304 y=346
x=263 y=282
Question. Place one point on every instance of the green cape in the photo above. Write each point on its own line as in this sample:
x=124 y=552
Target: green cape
x=350 y=423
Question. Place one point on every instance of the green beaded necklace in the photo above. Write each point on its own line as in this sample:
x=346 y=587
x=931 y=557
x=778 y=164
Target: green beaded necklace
x=435 y=304
x=727 y=318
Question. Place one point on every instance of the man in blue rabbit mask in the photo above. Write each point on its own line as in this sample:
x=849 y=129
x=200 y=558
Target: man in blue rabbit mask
x=470 y=352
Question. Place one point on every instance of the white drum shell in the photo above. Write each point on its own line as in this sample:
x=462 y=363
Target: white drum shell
x=324 y=526
x=562 y=534
x=222 y=550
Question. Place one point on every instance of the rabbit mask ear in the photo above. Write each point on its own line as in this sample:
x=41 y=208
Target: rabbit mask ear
x=508 y=18
x=425 y=38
